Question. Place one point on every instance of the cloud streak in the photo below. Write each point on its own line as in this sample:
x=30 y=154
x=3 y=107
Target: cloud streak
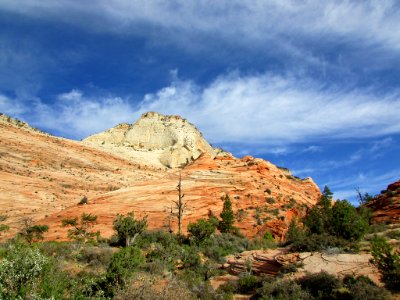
x=73 y=114
x=366 y=182
x=263 y=109
x=274 y=110
x=370 y=23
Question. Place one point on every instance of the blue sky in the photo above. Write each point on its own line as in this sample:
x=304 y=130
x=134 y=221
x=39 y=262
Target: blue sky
x=309 y=85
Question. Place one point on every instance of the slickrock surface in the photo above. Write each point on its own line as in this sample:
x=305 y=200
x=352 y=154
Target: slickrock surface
x=386 y=206
x=41 y=174
x=167 y=140
x=263 y=199
x=270 y=262
x=44 y=178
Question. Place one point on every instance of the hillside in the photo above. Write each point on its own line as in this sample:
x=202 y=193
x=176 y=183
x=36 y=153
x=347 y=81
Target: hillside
x=135 y=167
x=41 y=174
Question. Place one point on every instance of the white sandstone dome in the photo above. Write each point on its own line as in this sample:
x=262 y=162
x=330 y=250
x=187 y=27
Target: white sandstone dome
x=171 y=140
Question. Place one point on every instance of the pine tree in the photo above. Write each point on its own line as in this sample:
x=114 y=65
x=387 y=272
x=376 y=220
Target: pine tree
x=81 y=229
x=227 y=216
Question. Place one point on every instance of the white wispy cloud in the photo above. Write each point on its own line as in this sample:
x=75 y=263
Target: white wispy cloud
x=345 y=188
x=372 y=150
x=255 y=110
x=312 y=149
x=11 y=106
x=269 y=109
x=72 y=114
x=250 y=22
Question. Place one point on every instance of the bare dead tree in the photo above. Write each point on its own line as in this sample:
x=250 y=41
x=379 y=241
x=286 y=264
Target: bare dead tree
x=359 y=195
x=180 y=205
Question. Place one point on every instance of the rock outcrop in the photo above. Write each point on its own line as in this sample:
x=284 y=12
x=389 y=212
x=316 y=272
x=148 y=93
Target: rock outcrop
x=270 y=262
x=169 y=140
x=386 y=206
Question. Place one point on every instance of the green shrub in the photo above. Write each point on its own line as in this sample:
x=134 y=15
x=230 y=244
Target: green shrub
x=268 y=236
x=318 y=218
x=3 y=227
x=316 y=242
x=201 y=230
x=146 y=287
x=56 y=284
x=346 y=223
x=87 y=285
x=21 y=272
x=228 y=288
x=190 y=258
x=95 y=256
x=293 y=230
x=387 y=260
x=83 y=201
x=34 y=233
x=275 y=212
x=270 y=200
x=290 y=268
x=258 y=243
x=147 y=238
x=128 y=229
x=326 y=226
x=221 y=245
x=200 y=289
x=240 y=214
x=377 y=227
x=163 y=248
x=282 y=289
x=123 y=264
x=363 y=288
x=394 y=234
x=59 y=250
x=247 y=283
x=320 y=285
x=156 y=267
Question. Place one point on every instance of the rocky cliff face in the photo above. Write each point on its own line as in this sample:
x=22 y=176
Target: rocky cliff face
x=167 y=140
x=386 y=206
x=43 y=177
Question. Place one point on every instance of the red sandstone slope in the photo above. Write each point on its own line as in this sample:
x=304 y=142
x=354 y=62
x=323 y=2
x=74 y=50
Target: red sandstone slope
x=264 y=197
x=386 y=206
x=43 y=177
x=41 y=174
